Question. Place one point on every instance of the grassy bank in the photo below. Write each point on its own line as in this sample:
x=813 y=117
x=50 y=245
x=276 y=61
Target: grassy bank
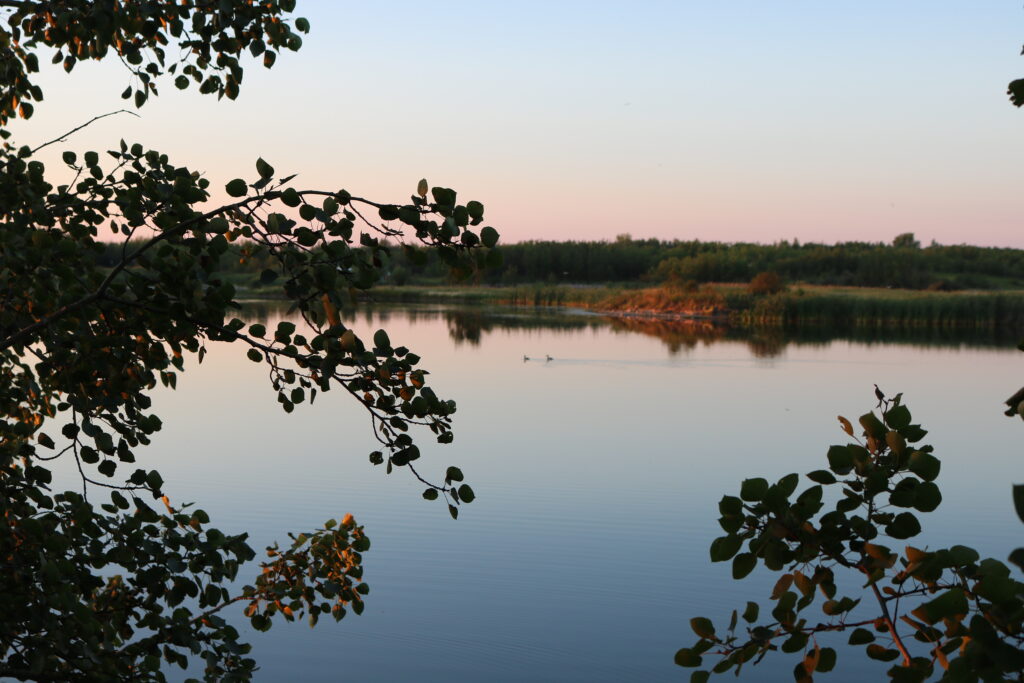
x=832 y=306
x=840 y=307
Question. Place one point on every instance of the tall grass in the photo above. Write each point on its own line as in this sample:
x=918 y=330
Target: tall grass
x=833 y=307
x=864 y=310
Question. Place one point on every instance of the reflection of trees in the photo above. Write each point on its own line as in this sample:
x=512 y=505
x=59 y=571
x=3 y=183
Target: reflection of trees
x=771 y=342
x=676 y=334
x=766 y=342
x=469 y=324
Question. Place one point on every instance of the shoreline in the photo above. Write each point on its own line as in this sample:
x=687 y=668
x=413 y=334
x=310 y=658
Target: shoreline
x=732 y=304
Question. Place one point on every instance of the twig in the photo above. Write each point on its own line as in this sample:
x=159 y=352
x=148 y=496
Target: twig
x=78 y=128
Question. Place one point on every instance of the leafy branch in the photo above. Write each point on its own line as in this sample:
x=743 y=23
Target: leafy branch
x=959 y=612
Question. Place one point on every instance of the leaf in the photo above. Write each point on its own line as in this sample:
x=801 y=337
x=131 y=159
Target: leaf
x=730 y=505
x=873 y=427
x=751 y=612
x=443 y=196
x=688 y=658
x=847 y=427
x=489 y=237
x=349 y=341
x=237 y=188
x=882 y=654
x=782 y=585
x=821 y=477
x=927 y=497
x=924 y=465
x=264 y=169
x=861 y=636
x=826 y=660
x=703 y=627
x=725 y=547
x=430 y=494
x=753 y=489
x=950 y=604
x=1016 y=92
x=453 y=474
x=811 y=659
x=787 y=485
x=1018 y=500
x=154 y=480
x=1017 y=557
x=840 y=460
x=466 y=494
x=898 y=417
x=453 y=511
x=803 y=583
x=743 y=564
x=903 y=526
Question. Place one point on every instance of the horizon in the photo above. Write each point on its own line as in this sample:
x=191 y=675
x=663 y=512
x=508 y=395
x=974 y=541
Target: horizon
x=733 y=123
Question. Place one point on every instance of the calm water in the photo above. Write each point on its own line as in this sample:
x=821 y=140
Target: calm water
x=597 y=475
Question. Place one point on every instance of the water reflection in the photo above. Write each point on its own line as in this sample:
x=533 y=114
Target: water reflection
x=598 y=476
x=468 y=325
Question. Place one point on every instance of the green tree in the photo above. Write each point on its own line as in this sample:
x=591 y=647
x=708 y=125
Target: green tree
x=906 y=240
x=99 y=584
x=924 y=610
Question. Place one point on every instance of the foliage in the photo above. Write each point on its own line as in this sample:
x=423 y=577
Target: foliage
x=678 y=262
x=99 y=585
x=945 y=607
x=860 y=264
x=906 y=240
x=1016 y=90
x=766 y=282
x=863 y=264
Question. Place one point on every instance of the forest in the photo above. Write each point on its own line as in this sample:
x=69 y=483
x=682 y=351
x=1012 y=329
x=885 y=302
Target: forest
x=902 y=264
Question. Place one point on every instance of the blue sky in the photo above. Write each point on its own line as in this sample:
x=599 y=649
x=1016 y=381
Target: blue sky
x=737 y=121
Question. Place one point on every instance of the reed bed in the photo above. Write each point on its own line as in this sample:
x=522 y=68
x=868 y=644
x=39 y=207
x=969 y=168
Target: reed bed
x=834 y=307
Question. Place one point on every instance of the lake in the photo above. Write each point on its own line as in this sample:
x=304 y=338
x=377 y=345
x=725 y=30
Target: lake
x=597 y=476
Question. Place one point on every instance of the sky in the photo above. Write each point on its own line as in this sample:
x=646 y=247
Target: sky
x=733 y=120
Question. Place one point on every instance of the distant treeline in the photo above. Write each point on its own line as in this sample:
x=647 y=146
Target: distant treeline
x=902 y=264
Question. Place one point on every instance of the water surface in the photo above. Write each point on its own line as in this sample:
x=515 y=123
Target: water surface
x=597 y=476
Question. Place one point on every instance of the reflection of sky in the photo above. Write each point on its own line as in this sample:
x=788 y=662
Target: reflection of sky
x=597 y=476
x=733 y=120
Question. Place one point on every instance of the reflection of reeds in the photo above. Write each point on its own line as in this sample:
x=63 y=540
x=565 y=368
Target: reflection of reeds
x=909 y=309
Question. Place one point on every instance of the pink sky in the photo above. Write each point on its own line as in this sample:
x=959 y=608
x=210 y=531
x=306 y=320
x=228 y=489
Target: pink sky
x=730 y=121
